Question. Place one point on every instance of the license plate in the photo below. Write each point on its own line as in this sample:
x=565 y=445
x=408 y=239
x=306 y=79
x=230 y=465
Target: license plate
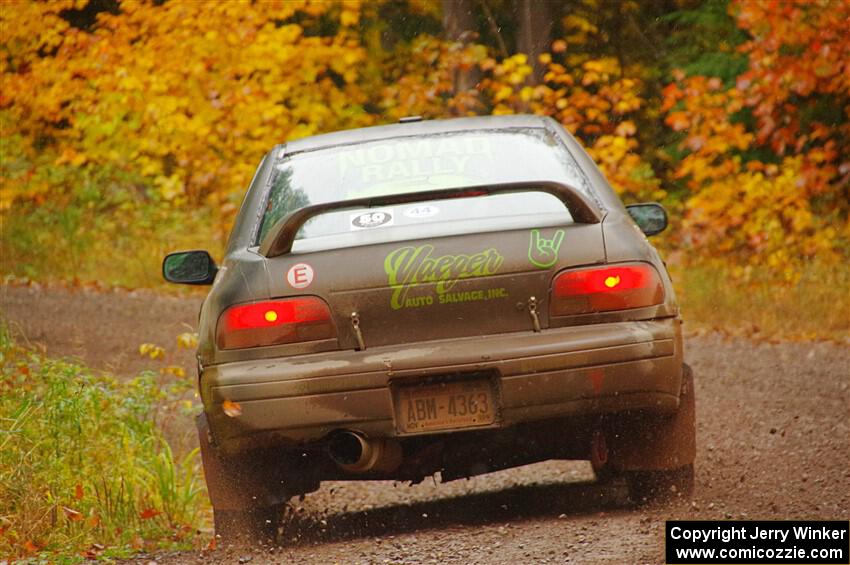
x=441 y=406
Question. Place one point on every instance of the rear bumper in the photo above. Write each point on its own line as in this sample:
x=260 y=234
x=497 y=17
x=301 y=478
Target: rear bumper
x=558 y=373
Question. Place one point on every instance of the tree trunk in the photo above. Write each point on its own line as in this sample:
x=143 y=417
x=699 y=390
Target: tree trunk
x=459 y=25
x=534 y=19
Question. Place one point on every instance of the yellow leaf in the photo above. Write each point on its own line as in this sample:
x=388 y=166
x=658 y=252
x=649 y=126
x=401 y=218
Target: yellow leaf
x=187 y=340
x=151 y=350
x=178 y=372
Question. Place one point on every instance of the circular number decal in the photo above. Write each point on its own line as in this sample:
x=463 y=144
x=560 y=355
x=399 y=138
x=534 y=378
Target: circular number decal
x=371 y=219
x=422 y=211
x=300 y=275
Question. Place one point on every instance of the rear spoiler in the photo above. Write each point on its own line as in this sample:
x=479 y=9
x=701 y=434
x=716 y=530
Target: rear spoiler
x=280 y=238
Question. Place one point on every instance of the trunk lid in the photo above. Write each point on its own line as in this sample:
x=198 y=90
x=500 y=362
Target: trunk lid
x=441 y=287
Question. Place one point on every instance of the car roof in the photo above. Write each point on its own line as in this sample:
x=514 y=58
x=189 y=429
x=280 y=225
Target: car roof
x=424 y=127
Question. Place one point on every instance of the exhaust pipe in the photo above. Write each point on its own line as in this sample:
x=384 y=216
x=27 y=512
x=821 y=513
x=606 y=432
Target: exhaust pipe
x=356 y=453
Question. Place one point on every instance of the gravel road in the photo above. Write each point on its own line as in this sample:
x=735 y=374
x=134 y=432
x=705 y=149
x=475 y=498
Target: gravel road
x=773 y=425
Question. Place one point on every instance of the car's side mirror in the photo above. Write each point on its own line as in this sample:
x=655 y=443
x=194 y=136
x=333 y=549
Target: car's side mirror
x=651 y=218
x=189 y=267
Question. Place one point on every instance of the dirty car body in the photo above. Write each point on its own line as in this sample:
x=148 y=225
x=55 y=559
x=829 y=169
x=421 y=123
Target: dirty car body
x=455 y=296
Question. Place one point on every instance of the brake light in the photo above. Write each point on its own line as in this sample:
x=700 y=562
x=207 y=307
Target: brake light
x=604 y=289
x=273 y=322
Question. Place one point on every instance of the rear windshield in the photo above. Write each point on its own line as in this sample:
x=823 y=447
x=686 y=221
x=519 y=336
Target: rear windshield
x=418 y=164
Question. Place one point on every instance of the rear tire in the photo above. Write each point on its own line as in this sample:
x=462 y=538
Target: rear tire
x=656 y=455
x=604 y=471
x=248 y=492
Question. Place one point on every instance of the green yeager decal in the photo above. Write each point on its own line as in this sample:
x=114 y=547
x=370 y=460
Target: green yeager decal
x=409 y=266
x=543 y=252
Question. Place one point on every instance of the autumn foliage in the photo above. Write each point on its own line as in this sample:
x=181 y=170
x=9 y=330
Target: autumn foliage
x=188 y=95
x=129 y=128
x=170 y=106
x=767 y=159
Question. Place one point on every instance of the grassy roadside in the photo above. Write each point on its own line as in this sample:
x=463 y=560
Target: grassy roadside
x=117 y=248
x=714 y=297
x=84 y=469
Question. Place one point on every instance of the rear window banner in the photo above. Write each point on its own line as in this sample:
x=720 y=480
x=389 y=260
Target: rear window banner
x=385 y=167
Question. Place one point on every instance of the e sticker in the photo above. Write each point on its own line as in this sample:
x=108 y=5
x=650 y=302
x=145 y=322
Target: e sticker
x=300 y=275
x=372 y=219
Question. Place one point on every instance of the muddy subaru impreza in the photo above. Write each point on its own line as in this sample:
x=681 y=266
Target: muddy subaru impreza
x=452 y=297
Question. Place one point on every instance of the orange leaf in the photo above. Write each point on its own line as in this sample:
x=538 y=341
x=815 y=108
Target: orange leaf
x=30 y=547
x=72 y=514
x=626 y=129
x=149 y=513
x=232 y=409
x=78 y=491
x=93 y=552
x=678 y=121
x=211 y=546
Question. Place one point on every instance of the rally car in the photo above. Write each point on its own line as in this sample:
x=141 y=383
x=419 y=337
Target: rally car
x=447 y=297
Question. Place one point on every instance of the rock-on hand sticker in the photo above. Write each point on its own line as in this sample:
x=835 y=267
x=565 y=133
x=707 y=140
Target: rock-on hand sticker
x=542 y=251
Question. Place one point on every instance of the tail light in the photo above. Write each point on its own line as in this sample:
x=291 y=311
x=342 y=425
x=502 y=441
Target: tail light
x=273 y=322
x=603 y=289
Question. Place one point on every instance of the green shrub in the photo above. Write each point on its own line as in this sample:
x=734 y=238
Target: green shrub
x=84 y=469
